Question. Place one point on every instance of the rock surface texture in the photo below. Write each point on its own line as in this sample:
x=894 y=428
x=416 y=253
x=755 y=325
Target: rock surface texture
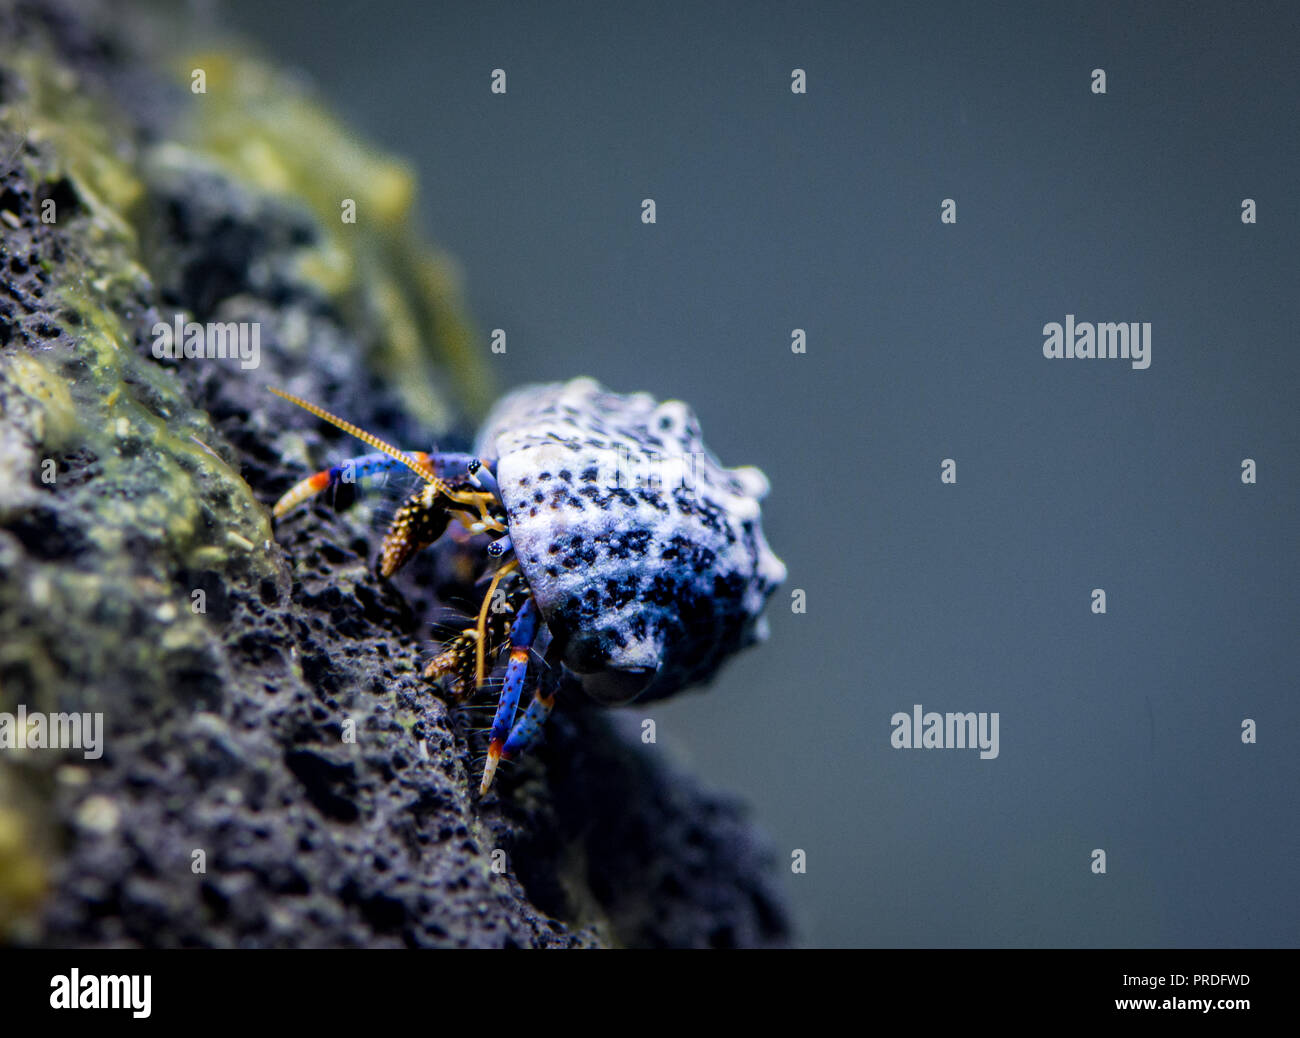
x=140 y=576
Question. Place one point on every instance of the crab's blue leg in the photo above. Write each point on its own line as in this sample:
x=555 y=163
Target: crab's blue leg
x=364 y=467
x=449 y=465
x=522 y=633
x=529 y=727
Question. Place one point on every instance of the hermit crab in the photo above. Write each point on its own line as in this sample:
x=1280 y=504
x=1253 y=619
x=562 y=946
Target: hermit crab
x=619 y=548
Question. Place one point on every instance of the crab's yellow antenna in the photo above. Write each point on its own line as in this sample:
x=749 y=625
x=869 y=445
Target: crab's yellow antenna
x=423 y=471
x=480 y=641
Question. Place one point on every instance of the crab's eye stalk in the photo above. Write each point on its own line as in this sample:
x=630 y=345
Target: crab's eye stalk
x=612 y=687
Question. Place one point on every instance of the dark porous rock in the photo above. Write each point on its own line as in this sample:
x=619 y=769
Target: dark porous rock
x=274 y=771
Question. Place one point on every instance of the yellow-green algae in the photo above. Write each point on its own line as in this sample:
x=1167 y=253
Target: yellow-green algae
x=23 y=873
x=263 y=127
x=100 y=407
x=159 y=480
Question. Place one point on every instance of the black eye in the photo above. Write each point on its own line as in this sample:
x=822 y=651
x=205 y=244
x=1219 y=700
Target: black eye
x=610 y=687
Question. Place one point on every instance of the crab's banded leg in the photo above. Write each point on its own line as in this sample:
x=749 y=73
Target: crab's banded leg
x=352 y=470
x=528 y=727
x=522 y=633
x=526 y=731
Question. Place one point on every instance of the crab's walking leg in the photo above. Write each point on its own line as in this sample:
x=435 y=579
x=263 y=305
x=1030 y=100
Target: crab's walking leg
x=522 y=633
x=528 y=727
x=353 y=470
x=525 y=732
x=447 y=466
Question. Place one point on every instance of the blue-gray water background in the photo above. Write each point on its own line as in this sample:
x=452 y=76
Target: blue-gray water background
x=821 y=212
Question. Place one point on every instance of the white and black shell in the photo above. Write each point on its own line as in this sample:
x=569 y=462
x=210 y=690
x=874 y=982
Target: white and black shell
x=646 y=557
